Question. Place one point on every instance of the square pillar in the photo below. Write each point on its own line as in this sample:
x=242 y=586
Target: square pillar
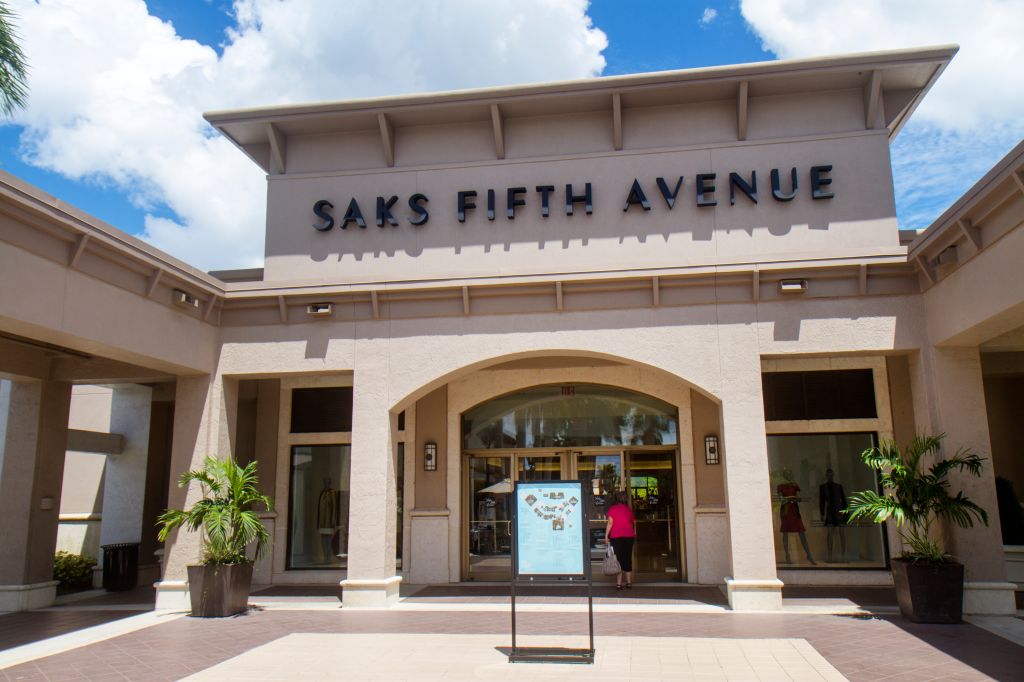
x=33 y=439
x=204 y=410
x=949 y=398
x=124 y=479
x=753 y=584
x=371 y=581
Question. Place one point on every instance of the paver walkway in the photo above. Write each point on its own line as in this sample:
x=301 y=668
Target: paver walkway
x=859 y=648
x=433 y=658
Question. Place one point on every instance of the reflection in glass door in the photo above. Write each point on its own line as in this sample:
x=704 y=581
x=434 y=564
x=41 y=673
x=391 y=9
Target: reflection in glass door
x=490 y=515
x=602 y=475
x=650 y=478
x=490 y=487
x=652 y=488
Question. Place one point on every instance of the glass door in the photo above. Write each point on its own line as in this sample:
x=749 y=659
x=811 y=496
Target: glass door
x=652 y=489
x=489 y=487
x=490 y=516
x=649 y=476
x=601 y=474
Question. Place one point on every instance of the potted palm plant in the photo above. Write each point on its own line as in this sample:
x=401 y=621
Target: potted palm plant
x=225 y=516
x=929 y=582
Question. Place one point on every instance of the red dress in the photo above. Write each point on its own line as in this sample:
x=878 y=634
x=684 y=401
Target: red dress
x=789 y=512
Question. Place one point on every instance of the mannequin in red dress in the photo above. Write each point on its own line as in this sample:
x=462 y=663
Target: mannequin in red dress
x=789 y=515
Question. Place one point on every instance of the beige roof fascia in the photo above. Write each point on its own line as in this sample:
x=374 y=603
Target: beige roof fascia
x=83 y=229
x=246 y=128
x=1010 y=167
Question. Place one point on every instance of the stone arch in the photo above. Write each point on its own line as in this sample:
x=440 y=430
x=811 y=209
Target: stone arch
x=472 y=384
x=447 y=376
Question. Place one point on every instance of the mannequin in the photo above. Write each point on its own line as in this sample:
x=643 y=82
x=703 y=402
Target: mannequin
x=789 y=515
x=831 y=504
x=327 y=510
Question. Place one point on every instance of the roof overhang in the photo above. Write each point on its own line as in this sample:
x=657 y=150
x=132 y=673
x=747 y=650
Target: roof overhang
x=894 y=82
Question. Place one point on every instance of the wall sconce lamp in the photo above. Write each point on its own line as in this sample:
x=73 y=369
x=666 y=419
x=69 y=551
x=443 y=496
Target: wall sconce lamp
x=711 y=450
x=430 y=456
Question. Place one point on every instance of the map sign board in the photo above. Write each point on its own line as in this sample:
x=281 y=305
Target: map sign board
x=550 y=529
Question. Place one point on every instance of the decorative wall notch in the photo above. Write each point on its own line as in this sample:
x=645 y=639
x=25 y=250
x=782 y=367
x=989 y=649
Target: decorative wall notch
x=498 y=124
x=972 y=233
x=278 y=150
x=387 y=138
x=79 y=249
x=872 y=99
x=282 y=308
x=617 y=121
x=742 y=97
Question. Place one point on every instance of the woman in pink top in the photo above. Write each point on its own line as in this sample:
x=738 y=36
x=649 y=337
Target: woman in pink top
x=621 y=532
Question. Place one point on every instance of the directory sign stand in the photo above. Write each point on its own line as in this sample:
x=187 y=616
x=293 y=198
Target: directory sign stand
x=551 y=544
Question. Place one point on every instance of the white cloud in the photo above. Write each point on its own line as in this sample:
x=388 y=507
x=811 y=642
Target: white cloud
x=980 y=85
x=117 y=96
x=971 y=117
x=710 y=13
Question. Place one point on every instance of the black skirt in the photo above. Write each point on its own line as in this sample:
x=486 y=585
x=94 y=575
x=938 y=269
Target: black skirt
x=623 y=552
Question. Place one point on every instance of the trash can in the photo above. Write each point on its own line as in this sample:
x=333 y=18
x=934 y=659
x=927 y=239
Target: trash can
x=120 y=566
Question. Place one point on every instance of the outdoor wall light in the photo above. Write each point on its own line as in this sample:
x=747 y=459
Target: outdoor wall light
x=319 y=309
x=792 y=286
x=183 y=299
x=711 y=450
x=430 y=456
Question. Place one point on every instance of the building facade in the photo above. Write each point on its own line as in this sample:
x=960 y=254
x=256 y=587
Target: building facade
x=687 y=285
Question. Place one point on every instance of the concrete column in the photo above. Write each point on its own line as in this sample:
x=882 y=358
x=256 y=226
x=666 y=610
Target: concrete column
x=124 y=483
x=35 y=434
x=753 y=584
x=949 y=398
x=371 y=580
x=203 y=420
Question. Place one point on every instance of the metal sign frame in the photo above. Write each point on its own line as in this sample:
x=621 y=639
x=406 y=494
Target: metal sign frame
x=521 y=654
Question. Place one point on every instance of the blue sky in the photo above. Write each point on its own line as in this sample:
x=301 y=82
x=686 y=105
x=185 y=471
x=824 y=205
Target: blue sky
x=935 y=159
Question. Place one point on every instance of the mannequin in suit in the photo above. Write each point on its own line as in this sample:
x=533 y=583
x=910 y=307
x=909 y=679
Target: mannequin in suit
x=831 y=504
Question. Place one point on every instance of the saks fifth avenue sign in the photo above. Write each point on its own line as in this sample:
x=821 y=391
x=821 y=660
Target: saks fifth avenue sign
x=705 y=191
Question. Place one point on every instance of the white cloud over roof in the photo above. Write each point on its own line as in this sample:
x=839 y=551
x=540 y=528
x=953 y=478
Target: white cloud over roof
x=117 y=96
x=981 y=85
x=971 y=117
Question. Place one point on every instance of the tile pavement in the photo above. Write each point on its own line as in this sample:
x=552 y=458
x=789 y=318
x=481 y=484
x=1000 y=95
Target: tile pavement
x=483 y=657
x=860 y=648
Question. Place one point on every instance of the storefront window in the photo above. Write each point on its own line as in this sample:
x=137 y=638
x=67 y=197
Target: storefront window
x=318 y=535
x=812 y=477
x=578 y=415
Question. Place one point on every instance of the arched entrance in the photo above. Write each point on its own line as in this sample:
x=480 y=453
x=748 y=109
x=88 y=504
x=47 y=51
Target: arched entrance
x=609 y=437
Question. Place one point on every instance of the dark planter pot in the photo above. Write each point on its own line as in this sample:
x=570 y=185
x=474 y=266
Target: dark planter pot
x=219 y=590
x=929 y=593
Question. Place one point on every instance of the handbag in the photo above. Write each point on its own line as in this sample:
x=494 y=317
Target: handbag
x=611 y=563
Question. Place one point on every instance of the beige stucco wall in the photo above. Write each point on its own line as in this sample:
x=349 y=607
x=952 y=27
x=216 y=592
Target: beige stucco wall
x=83 y=471
x=710 y=483
x=81 y=502
x=69 y=307
x=859 y=220
x=431 y=427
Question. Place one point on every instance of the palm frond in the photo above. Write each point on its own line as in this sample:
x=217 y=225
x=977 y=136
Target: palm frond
x=962 y=460
x=224 y=514
x=914 y=496
x=13 y=65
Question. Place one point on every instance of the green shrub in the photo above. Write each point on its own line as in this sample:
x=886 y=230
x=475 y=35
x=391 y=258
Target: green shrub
x=73 y=570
